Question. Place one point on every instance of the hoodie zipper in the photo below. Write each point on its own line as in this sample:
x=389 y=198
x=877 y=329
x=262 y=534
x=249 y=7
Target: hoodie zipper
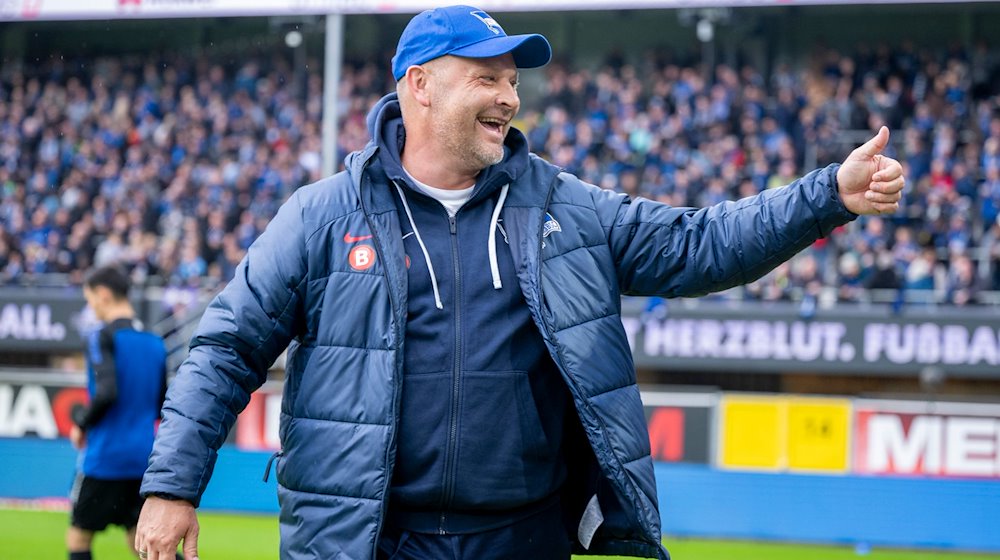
x=451 y=451
x=394 y=305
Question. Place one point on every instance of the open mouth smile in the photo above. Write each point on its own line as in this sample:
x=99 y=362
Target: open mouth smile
x=493 y=125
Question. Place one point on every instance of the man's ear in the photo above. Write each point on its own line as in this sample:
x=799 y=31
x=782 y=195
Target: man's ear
x=417 y=80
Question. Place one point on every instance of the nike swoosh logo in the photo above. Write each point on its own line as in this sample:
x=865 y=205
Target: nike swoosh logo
x=348 y=238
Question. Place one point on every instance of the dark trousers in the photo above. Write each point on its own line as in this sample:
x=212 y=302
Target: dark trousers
x=539 y=537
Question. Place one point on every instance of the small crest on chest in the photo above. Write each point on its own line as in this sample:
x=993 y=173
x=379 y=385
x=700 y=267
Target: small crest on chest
x=550 y=226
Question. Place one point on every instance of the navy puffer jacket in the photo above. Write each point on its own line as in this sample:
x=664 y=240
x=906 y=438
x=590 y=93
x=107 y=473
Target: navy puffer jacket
x=344 y=316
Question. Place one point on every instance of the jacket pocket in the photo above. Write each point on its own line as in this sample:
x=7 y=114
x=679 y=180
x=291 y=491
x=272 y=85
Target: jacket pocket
x=505 y=457
x=423 y=438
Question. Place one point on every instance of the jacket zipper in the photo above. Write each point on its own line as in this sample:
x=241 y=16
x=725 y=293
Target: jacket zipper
x=456 y=382
x=267 y=468
x=394 y=305
x=554 y=353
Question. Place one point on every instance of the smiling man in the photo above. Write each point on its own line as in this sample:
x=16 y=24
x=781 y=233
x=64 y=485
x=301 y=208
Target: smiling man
x=459 y=383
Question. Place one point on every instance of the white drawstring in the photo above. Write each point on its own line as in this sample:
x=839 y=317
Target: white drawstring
x=492 y=243
x=427 y=257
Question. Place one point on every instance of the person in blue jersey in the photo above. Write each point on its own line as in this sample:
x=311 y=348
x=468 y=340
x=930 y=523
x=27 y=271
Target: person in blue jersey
x=126 y=382
x=459 y=384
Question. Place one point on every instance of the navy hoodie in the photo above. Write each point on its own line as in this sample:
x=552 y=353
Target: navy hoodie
x=483 y=406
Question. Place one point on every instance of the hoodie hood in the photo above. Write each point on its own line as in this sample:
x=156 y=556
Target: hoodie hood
x=385 y=124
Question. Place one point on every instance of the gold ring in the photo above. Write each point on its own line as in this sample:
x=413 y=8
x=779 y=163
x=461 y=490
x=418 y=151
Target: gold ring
x=143 y=554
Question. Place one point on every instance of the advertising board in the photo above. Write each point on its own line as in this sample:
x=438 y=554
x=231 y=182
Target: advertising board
x=927 y=439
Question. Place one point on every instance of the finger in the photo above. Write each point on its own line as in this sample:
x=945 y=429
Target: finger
x=165 y=552
x=886 y=208
x=143 y=546
x=874 y=146
x=140 y=545
x=155 y=551
x=191 y=542
x=881 y=198
x=891 y=170
x=160 y=547
x=889 y=187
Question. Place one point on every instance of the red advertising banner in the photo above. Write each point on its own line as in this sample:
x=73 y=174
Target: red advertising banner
x=34 y=409
x=40 y=405
x=257 y=426
x=680 y=426
x=927 y=439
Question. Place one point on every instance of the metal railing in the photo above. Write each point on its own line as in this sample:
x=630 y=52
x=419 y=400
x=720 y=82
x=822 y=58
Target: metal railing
x=178 y=326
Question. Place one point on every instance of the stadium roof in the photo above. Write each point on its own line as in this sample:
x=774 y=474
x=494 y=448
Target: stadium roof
x=35 y=10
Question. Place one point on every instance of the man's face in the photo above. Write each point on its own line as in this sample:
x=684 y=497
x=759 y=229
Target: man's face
x=97 y=298
x=473 y=101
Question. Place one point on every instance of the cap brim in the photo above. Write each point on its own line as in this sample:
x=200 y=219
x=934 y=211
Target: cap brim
x=530 y=51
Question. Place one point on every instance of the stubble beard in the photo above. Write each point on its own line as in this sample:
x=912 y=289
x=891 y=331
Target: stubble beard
x=465 y=144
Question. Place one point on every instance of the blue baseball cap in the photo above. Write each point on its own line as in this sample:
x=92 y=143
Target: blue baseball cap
x=464 y=31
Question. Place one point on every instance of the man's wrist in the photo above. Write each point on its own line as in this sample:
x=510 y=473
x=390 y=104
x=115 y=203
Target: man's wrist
x=79 y=418
x=838 y=196
x=165 y=496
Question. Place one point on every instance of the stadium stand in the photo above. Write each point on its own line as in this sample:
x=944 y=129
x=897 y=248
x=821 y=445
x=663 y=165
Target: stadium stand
x=173 y=166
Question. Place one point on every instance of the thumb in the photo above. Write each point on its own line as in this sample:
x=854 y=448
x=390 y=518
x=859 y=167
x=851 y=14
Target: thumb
x=875 y=146
x=191 y=542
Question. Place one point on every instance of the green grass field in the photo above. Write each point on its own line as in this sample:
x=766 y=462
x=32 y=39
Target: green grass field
x=30 y=535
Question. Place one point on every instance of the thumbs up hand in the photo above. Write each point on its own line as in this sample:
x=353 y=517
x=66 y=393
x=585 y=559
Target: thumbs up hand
x=869 y=182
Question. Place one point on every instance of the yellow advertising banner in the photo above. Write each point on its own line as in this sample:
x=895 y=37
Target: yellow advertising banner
x=818 y=434
x=784 y=433
x=752 y=432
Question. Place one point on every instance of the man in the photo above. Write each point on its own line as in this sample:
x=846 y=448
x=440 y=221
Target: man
x=126 y=381
x=459 y=383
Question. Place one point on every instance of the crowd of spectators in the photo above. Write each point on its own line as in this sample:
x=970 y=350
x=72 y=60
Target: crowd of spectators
x=668 y=131
x=172 y=167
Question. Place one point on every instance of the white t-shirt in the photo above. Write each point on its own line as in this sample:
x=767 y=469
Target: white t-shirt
x=451 y=199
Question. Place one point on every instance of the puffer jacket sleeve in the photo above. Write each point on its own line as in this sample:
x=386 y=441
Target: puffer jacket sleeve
x=244 y=329
x=683 y=252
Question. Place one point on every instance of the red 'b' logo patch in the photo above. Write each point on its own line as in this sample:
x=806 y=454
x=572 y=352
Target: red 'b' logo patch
x=362 y=257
